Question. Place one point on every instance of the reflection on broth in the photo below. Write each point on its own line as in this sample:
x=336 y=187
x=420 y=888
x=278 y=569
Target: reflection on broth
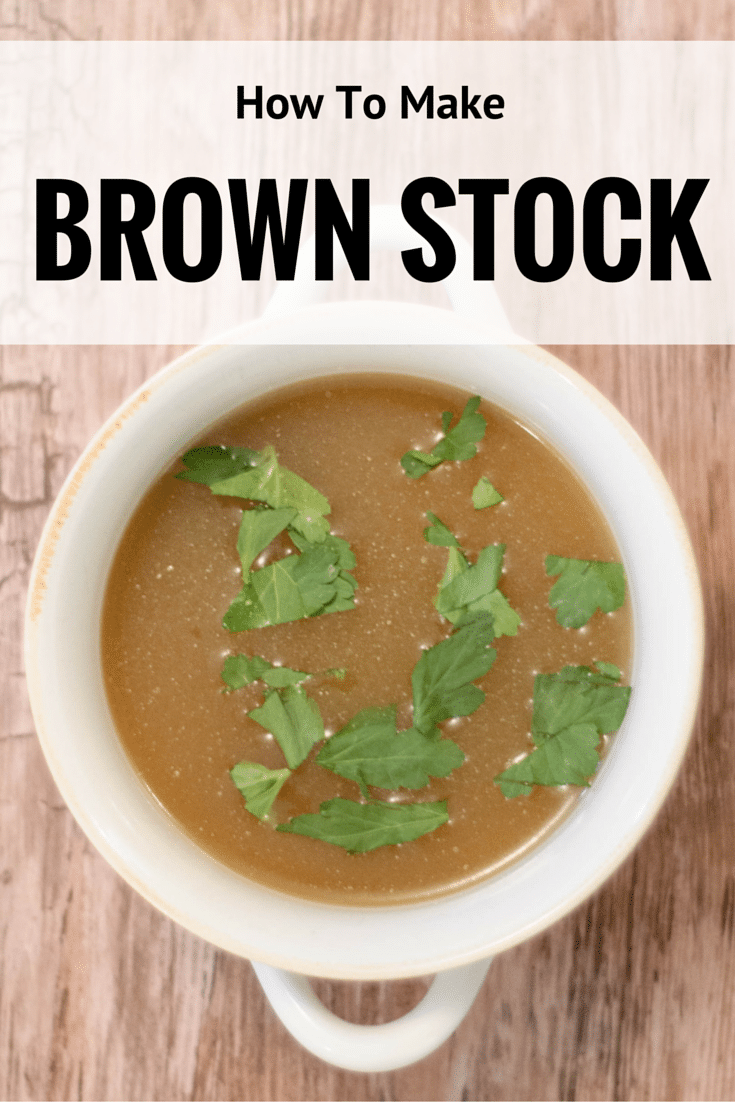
x=177 y=571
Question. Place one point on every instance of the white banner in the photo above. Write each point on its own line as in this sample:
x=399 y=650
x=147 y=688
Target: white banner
x=593 y=182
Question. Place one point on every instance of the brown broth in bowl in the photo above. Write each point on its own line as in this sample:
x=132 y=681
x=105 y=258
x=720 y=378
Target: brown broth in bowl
x=177 y=570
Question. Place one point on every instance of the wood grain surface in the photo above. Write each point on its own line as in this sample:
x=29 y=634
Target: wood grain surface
x=630 y=997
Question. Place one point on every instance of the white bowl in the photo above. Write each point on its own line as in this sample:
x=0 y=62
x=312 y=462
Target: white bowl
x=129 y=827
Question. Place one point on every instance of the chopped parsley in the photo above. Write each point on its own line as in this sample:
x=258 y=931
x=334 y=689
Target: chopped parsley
x=484 y=494
x=438 y=533
x=457 y=442
x=370 y=751
x=293 y=588
x=215 y=462
x=293 y=719
x=239 y=670
x=571 y=710
x=362 y=827
x=466 y=591
x=259 y=786
x=258 y=476
x=583 y=587
x=314 y=580
x=442 y=679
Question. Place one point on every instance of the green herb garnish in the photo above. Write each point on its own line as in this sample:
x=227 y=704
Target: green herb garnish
x=293 y=588
x=370 y=751
x=258 y=785
x=571 y=710
x=457 y=443
x=438 y=533
x=583 y=586
x=443 y=676
x=467 y=590
x=484 y=494
x=293 y=719
x=240 y=670
x=260 y=477
x=258 y=528
x=362 y=827
x=609 y=669
x=313 y=582
x=215 y=462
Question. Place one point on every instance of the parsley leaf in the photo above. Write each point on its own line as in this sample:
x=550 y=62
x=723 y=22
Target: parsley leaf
x=438 y=533
x=457 y=443
x=344 y=556
x=216 y=461
x=258 y=476
x=569 y=757
x=468 y=584
x=583 y=586
x=341 y=555
x=442 y=678
x=258 y=528
x=294 y=587
x=293 y=719
x=571 y=709
x=258 y=785
x=239 y=670
x=417 y=463
x=362 y=827
x=578 y=694
x=609 y=669
x=465 y=591
x=280 y=677
x=280 y=488
x=485 y=494
x=297 y=586
x=506 y=620
x=370 y=751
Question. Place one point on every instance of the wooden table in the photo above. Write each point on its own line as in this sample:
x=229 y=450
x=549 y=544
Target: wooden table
x=631 y=996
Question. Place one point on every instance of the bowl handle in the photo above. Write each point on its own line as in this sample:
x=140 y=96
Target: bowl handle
x=389 y=230
x=372 y=1047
